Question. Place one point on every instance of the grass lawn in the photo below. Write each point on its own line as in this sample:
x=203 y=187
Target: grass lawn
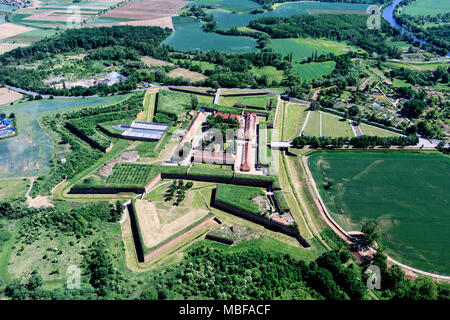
x=427 y=7
x=173 y=102
x=254 y=101
x=304 y=47
x=271 y=72
x=406 y=192
x=295 y=118
x=333 y=126
x=13 y=188
x=312 y=127
x=401 y=83
x=309 y=71
x=374 y=131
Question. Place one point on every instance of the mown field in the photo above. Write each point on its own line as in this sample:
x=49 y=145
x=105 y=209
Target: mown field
x=427 y=7
x=309 y=71
x=304 y=47
x=407 y=193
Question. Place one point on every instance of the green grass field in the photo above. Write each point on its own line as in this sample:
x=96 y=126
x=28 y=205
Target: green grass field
x=407 y=193
x=309 y=71
x=333 y=126
x=295 y=118
x=312 y=127
x=304 y=47
x=254 y=101
x=239 y=197
x=13 y=188
x=374 y=131
x=271 y=72
x=173 y=102
x=427 y=7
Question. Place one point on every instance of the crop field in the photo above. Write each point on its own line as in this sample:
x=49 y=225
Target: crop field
x=427 y=7
x=189 y=35
x=28 y=153
x=8 y=30
x=272 y=74
x=8 y=96
x=148 y=12
x=226 y=20
x=131 y=173
x=421 y=66
x=407 y=193
x=204 y=65
x=58 y=14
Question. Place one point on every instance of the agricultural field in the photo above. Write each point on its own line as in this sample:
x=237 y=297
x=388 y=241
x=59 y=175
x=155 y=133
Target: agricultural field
x=427 y=7
x=144 y=13
x=406 y=192
x=131 y=174
x=226 y=20
x=189 y=35
x=8 y=96
x=60 y=14
x=173 y=102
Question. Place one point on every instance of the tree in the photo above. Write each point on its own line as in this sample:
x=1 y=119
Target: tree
x=194 y=102
x=371 y=231
x=414 y=108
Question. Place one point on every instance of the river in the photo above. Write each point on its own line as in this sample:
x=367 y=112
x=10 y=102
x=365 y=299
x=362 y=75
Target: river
x=388 y=15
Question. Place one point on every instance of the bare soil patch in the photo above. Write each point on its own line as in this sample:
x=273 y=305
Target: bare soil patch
x=129 y=156
x=153 y=12
x=7 y=96
x=187 y=74
x=40 y=201
x=152 y=62
x=9 y=29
